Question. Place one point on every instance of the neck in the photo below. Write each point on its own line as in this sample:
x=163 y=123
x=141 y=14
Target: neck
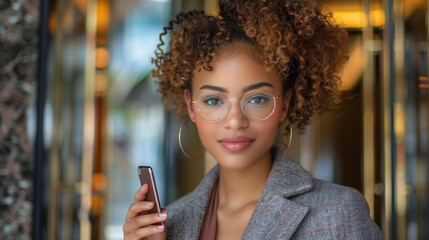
x=240 y=187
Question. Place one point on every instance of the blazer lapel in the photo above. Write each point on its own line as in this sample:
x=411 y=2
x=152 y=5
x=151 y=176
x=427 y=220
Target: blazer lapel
x=276 y=216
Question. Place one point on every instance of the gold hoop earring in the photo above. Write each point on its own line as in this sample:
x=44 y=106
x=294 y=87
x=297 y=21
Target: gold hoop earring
x=290 y=138
x=180 y=140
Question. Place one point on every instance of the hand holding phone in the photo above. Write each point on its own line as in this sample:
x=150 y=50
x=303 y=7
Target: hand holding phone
x=145 y=218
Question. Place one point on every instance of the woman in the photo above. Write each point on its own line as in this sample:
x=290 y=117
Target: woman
x=240 y=76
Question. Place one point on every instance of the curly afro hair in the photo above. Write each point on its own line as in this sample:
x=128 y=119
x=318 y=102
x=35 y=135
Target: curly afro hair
x=293 y=37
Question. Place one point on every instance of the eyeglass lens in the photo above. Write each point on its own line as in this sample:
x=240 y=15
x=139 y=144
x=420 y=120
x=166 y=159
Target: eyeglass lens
x=256 y=105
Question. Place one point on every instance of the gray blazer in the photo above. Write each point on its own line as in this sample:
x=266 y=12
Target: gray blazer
x=293 y=205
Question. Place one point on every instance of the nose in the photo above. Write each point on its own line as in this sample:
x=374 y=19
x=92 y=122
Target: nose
x=235 y=118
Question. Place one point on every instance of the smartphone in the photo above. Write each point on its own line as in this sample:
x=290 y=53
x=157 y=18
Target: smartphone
x=146 y=176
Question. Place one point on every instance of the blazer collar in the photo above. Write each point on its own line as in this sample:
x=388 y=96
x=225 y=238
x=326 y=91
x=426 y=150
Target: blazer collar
x=287 y=178
x=275 y=216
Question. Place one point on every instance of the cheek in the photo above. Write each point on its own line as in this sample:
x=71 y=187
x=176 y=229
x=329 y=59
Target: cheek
x=205 y=130
x=275 y=118
x=270 y=126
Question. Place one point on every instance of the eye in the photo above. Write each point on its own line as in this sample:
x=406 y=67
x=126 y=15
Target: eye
x=258 y=100
x=212 y=101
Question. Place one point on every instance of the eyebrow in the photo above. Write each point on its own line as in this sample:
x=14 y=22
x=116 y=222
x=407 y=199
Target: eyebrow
x=246 y=89
x=214 y=88
x=256 y=86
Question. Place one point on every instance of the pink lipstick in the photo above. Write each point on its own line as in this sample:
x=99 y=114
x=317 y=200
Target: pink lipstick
x=236 y=144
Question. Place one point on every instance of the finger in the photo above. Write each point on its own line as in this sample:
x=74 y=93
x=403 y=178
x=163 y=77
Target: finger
x=141 y=193
x=144 y=232
x=144 y=220
x=164 y=210
x=137 y=207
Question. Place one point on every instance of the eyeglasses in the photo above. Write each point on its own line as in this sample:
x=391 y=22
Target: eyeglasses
x=256 y=105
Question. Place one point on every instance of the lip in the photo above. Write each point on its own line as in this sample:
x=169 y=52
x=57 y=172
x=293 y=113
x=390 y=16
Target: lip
x=236 y=143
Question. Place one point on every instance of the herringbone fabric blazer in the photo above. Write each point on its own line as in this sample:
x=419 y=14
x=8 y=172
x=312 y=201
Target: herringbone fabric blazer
x=293 y=205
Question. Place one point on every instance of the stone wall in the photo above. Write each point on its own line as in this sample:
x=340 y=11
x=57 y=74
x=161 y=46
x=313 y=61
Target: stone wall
x=18 y=63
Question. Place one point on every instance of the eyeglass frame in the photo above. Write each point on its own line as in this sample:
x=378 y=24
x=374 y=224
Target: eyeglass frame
x=241 y=105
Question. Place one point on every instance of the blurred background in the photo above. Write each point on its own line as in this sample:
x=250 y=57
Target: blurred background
x=79 y=112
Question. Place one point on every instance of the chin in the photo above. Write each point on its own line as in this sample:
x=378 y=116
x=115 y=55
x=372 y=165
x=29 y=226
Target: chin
x=235 y=165
x=236 y=161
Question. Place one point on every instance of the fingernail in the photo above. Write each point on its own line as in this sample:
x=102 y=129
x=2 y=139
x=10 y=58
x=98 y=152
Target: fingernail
x=149 y=203
x=163 y=214
x=160 y=227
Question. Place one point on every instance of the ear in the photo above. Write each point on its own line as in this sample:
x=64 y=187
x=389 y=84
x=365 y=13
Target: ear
x=189 y=104
x=285 y=107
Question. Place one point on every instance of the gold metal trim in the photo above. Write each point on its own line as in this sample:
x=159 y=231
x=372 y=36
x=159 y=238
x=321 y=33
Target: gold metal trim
x=368 y=108
x=89 y=120
x=386 y=124
x=55 y=148
x=211 y=7
x=400 y=118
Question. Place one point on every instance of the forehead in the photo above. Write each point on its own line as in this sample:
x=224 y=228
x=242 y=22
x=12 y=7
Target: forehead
x=236 y=66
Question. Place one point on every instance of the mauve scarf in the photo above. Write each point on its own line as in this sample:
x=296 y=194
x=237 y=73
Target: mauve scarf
x=208 y=230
